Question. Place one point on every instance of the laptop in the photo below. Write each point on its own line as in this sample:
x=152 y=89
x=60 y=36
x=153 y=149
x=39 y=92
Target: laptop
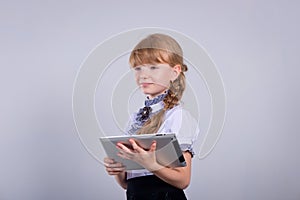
x=168 y=152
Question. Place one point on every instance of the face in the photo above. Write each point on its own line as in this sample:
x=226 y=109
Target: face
x=154 y=79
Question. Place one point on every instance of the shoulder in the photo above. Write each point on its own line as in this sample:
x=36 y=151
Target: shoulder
x=178 y=113
x=179 y=118
x=179 y=121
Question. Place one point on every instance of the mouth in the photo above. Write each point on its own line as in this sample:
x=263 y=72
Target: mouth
x=145 y=84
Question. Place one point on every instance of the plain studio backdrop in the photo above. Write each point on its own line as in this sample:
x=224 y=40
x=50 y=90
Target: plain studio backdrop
x=254 y=44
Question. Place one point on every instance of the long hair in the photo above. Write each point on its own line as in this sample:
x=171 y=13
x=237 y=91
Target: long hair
x=155 y=49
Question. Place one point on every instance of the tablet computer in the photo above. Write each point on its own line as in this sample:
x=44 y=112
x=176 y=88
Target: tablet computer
x=168 y=152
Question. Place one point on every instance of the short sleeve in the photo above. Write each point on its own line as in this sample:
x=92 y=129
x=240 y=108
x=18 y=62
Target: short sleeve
x=180 y=122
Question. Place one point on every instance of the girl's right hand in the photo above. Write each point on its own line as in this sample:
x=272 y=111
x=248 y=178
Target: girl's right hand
x=113 y=167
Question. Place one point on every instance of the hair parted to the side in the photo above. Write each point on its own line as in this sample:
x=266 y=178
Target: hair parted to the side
x=155 y=49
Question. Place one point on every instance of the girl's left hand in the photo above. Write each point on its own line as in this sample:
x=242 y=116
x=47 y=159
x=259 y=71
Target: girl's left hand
x=145 y=158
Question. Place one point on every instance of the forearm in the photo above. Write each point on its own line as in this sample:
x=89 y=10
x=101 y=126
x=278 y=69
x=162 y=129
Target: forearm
x=116 y=169
x=178 y=177
x=173 y=177
x=121 y=179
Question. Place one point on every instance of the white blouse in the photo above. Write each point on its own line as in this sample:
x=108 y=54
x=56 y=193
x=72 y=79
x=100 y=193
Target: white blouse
x=178 y=121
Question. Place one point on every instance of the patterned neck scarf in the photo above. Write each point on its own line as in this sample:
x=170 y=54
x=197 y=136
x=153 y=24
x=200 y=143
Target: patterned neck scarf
x=152 y=106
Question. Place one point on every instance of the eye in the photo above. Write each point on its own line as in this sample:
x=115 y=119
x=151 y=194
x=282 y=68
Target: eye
x=153 y=67
x=137 y=68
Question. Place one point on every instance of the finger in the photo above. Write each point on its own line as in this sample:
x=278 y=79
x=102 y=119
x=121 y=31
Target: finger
x=125 y=155
x=126 y=152
x=122 y=147
x=113 y=165
x=119 y=169
x=135 y=146
x=108 y=160
x=114 y=171
x=153 y=146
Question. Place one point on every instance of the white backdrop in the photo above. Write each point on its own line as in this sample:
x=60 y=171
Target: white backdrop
x=255 y=45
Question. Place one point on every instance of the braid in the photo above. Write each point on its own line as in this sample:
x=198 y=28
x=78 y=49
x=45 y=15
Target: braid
x=175 y=92
x=171 y=99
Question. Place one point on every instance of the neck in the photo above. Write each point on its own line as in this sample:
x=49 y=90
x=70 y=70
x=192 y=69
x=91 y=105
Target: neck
x=156 y=95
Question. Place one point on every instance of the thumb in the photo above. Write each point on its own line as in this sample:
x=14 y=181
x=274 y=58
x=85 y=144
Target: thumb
x=153 y=146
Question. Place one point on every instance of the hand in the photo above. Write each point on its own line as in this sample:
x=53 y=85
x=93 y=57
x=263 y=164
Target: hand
x=147 y=159
x=113 y=167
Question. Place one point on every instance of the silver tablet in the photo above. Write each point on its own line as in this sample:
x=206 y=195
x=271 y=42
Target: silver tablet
x=168 y=152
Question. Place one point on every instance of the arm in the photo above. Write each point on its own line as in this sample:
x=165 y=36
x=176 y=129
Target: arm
x=121 y=180
x=178 y=177
x=117 y=170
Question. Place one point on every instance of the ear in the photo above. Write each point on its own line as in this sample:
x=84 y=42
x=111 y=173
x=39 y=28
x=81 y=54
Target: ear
x=176 y=71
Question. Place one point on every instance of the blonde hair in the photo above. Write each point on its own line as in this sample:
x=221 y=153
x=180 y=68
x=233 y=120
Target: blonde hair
x=155 y=49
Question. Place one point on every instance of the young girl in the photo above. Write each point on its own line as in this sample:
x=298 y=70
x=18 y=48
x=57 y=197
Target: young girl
x=159 y=70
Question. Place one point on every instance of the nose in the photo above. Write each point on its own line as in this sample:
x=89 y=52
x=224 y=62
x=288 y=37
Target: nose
x=143 y=74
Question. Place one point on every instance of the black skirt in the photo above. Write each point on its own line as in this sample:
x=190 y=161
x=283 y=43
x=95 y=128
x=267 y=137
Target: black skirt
x=152 y=188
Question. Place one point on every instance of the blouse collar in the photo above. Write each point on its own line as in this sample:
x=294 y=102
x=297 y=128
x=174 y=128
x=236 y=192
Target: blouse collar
x=155 y=100
x=151 y=106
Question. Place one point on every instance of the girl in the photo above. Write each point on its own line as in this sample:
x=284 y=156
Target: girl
x=159 y=70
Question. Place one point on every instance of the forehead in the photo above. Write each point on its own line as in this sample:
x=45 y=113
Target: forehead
x=158 y=65
x=148 y=56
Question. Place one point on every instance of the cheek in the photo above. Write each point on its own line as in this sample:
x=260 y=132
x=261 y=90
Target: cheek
x=137 y=79
x=163 y=81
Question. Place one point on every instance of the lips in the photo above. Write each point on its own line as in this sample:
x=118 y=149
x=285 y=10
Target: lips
x=145 y=84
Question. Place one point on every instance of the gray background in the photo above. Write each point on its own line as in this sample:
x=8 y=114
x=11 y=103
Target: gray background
x=254 y=44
